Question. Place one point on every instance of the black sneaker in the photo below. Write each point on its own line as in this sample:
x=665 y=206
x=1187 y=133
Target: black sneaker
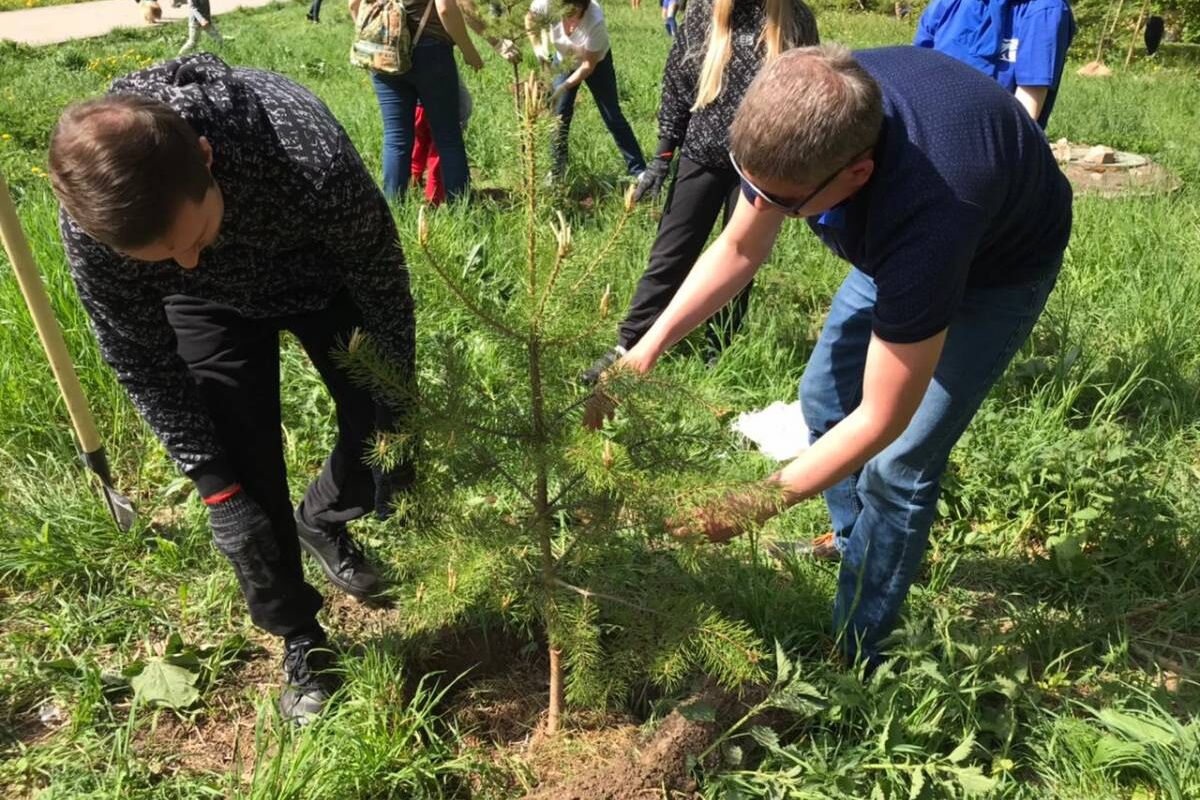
x=610 y=357
x=308 y=678
x=340 y=557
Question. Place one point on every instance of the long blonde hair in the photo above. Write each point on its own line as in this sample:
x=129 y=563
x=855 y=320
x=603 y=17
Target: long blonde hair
x=782 y=31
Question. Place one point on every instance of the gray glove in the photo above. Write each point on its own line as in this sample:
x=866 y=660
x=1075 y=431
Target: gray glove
x=242 y=532
x=651 y=181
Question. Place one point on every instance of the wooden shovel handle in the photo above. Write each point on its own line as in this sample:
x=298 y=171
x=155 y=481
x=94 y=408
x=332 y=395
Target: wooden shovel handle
x=44 y=320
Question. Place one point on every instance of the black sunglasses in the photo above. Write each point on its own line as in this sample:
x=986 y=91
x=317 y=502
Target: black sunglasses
x=789 y=208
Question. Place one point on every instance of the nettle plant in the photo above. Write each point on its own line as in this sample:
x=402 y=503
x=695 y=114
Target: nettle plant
x=520 y=512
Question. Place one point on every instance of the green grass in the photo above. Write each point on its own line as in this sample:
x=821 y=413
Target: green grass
x=1050 y=648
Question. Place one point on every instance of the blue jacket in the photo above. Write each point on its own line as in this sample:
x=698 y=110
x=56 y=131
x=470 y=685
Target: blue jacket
x=1015 y=42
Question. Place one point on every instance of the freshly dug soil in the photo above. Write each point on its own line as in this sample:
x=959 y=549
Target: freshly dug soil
x=654 y=768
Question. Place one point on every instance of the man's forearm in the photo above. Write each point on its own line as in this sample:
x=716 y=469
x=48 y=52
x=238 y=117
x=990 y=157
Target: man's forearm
x=839 y=453
x=718 y=276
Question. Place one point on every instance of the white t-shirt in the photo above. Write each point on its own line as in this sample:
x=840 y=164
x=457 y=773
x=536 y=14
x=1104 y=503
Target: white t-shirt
x=590 y=34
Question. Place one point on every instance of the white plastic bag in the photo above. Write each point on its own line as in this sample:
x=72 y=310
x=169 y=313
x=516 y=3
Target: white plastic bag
x=779 y=430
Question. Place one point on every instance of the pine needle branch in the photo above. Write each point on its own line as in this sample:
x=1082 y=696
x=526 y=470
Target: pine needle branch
x=572 y=340
x=509 y=479
x=612 y=598
x=452 y=285
x=705 y=627
x=610 y=244
x=562 y=235
x=572 y=482
x=531 y=188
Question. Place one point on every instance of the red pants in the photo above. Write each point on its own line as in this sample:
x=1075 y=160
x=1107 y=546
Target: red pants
x=424 y=155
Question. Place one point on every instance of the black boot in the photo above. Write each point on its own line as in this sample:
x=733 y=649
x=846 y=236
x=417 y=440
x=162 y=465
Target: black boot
x=340 y=557
x=308 y=677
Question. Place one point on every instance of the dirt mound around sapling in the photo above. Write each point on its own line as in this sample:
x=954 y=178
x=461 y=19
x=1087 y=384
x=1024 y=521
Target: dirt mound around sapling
x=1113 y=173
x=656 y=766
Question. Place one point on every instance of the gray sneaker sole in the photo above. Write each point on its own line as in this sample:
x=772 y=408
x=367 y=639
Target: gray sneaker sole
x=786 y=550
x=300 y=709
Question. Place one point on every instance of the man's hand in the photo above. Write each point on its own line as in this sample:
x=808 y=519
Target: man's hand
x=602 y=405
x=722 y=519
x=599 y=408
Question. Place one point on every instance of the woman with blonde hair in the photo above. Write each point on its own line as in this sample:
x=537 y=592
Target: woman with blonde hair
x=718 y=50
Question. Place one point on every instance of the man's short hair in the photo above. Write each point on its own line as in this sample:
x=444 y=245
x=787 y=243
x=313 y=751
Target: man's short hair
x=122 y=165
x=808 y=112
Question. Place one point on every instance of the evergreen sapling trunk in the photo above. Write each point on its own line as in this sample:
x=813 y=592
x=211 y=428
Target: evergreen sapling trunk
x=519 y=513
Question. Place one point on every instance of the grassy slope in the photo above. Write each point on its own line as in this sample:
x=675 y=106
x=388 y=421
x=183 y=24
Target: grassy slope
x=1092 y=438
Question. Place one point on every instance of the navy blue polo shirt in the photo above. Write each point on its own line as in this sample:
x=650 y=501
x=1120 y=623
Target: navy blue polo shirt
x=965 y=192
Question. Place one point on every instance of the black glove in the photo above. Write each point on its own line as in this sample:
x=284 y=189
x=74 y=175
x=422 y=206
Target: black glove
x=610 y=357
x=242 y=532
x=651 y=181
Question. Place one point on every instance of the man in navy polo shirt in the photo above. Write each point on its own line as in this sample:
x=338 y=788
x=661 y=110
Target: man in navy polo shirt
x=1022 y=44
x=943 y=195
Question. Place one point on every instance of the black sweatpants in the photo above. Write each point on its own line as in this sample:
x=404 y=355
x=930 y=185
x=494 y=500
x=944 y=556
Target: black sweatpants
x=697 y=195
x=235 y=361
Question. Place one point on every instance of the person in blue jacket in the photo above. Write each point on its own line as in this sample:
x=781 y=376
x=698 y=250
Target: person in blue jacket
x=1022 y=44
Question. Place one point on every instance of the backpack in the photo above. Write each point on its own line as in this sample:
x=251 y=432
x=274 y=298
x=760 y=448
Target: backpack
x=381 y=39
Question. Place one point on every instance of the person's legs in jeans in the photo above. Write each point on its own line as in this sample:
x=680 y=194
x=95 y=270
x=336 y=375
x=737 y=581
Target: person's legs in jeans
x=397 y=105
x=602 y=83
x=434 y=75
x=564 y=109
x=314 y=11
x=345 y=489
x=832 y=383
x=235 y=362
x=694 y=199
x=897 y=490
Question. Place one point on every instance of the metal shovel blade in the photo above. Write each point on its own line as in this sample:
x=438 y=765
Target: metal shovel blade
x=119 y=506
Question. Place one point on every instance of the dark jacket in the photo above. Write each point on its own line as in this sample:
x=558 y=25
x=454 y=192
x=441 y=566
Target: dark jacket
x=704 y=134
x=303 y=220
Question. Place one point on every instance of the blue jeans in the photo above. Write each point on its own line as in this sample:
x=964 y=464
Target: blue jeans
x=882 y=514
x=602 y=83
x=433 y=80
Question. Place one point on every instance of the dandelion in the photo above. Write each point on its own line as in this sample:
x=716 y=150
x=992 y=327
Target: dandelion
x=5 y=136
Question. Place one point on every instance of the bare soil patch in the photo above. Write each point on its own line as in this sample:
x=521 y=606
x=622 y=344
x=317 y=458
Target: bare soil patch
x=1129 y=174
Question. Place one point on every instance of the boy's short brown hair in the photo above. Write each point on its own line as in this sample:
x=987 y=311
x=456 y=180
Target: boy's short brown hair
x=808 y=112
x=121 y=165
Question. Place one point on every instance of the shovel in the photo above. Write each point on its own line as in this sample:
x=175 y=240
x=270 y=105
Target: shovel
x=60 y=361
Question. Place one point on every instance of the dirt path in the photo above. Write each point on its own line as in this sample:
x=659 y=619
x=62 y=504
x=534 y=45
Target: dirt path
x=53 y=24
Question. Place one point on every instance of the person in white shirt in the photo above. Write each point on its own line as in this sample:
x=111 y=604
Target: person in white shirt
x=576 y=39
